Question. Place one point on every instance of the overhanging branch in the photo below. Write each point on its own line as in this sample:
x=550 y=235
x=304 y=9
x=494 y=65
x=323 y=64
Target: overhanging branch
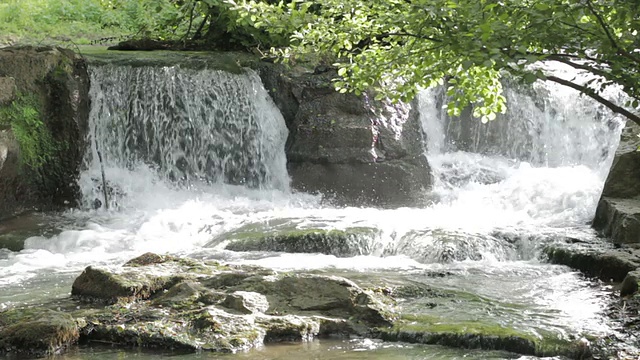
x=592 y=94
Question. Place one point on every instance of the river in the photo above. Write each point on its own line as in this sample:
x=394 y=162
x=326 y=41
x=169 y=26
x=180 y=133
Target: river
x=172 y=140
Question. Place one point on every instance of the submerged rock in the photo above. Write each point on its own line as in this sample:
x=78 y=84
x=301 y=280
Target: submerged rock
x=436 y=245
x=36 y=332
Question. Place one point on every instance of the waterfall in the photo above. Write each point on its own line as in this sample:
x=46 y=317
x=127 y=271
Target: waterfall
x=543 y=162
x=183 y=127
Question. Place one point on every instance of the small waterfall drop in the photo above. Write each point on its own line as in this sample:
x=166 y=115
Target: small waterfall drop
x=183 y=127
x=544 y=162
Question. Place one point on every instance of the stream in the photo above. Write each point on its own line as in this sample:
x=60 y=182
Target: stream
x=174 y=140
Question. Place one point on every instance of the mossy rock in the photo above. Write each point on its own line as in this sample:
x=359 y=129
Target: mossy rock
x=174 y=303
x=231 y=62
x=342 y=243
x=36 y=332
x=432 y=330
x=102 y=285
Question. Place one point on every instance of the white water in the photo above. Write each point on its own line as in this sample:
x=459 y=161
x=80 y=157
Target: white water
x=171 y=152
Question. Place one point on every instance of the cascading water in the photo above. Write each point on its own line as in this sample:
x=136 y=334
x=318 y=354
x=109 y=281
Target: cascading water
x=188 y=126
x=190 y=156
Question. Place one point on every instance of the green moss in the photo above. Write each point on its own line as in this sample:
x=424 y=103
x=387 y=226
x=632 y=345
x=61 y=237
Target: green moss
x=36 y=331
x=347 y=242
x=24 y=116
x=432 y=329
x=427 y=323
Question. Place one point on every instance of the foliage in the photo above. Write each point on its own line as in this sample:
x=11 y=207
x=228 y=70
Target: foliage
x=393 y=47
x=397 y=46
x=33 y=136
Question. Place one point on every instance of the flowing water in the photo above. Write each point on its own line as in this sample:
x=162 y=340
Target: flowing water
x=191 y=155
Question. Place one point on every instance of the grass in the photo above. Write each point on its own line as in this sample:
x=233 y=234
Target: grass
x=60 y=21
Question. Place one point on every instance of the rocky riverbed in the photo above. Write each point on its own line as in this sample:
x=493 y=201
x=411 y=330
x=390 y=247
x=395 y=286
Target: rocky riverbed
x=167 y=302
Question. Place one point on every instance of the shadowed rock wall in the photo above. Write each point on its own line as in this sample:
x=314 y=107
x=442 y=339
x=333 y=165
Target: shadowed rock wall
x=56 y=82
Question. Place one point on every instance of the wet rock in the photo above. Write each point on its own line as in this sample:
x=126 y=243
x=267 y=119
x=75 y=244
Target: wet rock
x=322 y=295
x=619 y=219
x=353 y=149
x=597 y=261
x=170 y=302
x=618 y=212
x=289 y=328
x=341 y=243
x=436 y=245
x=148 y=259
x=430 y=330
x=246 y=302
x=629 y=285
x=36 y=332
x=103 y=285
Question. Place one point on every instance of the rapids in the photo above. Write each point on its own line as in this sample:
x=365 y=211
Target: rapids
x=190 y=156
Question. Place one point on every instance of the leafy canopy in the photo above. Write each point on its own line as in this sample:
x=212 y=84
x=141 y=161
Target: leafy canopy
x=396 y=46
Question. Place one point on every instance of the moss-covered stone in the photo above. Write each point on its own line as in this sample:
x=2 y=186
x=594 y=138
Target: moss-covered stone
x=342 y=243
x=36 y=331
x=169 y=302
x=100 y=284
x=428 y=329
x=232 y=62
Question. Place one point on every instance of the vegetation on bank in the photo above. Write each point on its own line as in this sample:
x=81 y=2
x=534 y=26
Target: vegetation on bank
x=23 y=115
x=393 y=47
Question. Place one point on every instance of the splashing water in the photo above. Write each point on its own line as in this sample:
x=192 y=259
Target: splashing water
x=191 y=155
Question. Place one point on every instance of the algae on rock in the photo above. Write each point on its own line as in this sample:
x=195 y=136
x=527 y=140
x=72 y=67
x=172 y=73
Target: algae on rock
x=341 y=243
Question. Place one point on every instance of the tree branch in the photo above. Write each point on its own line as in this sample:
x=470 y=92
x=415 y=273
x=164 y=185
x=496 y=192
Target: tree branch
x=564 y=60
x=592 y=94
x=615 y=45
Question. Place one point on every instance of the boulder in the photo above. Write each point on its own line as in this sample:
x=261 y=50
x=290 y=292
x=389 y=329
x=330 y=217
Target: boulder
x=53 y=84
x=619 y=219
x=629 y=285
x=353 y=149
x=618 y=212
x=340 y=243
x=36 y=332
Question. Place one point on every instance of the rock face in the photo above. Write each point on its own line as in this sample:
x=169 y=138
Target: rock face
x=618 y=212
x=352 y=149
x=53 y=85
